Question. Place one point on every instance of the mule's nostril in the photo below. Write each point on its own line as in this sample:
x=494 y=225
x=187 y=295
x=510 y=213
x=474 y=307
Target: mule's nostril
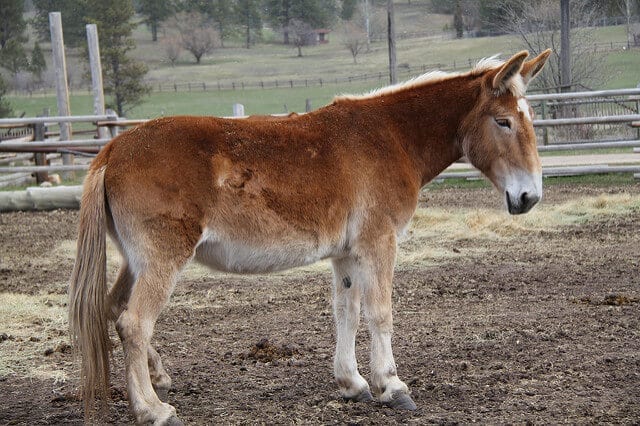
x=524 y=198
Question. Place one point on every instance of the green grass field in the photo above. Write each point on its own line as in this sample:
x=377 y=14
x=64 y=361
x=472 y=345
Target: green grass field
x=270 y=60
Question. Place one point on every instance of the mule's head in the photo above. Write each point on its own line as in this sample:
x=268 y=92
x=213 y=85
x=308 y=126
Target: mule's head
x=498 y=136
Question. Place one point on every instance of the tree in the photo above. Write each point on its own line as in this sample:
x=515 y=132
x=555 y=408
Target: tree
x=300 y=33
x=122 y=76
x=5 y=108
x=458 y=23
x=196 y=35
x=13 y=57
x=12 y=24
x=37 y=63
x=154 y=12
x=247 y=13
x=73 y=14
x=172 y=48
x=315 y=13
x=354 y=38
x=537 y=23
x=218 y=12
x=12 y=36
x=348 y=9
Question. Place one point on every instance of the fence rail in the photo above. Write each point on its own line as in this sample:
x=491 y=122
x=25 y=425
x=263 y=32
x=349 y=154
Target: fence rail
x=550 y=106
x=404 y=71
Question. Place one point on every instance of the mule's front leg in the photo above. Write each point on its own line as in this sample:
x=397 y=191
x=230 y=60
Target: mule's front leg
x=346 y=309
x=377 y=304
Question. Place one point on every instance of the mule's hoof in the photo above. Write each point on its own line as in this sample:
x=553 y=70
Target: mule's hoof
x=173 y=421
x=401 y=401
x=364 y=396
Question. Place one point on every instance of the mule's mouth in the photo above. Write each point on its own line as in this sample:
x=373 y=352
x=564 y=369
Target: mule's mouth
x=521 y=203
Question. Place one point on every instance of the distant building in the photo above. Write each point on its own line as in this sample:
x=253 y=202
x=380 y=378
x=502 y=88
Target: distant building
x=321 y=35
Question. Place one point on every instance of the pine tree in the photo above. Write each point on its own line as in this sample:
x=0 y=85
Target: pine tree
x=247 y=13
x=12 y=24
x=315 y=13
x=458 y=23
x=5 y=108
x=155 y=11
x=122 y=75
x=13 y=57
x=37 y=64
x=12 y=36
x=72 y=12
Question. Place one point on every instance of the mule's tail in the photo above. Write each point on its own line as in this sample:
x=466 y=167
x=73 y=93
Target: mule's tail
x=88 y=294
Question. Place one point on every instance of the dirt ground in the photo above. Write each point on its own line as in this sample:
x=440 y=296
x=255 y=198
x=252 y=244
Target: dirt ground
x=540 y=328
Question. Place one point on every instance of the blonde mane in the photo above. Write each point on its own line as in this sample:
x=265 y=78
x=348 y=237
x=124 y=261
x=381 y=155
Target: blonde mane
x=486 y=64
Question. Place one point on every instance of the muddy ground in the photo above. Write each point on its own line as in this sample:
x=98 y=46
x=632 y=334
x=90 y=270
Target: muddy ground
x=542 y=328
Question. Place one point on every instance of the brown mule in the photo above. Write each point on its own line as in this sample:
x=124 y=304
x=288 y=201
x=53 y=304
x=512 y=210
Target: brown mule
x=253 y=196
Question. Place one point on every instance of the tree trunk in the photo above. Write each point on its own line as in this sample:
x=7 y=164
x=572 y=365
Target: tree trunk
x=154 y=31
x=391 y=38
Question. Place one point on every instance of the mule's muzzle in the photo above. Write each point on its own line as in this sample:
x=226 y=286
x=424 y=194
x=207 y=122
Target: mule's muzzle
x=522 y=202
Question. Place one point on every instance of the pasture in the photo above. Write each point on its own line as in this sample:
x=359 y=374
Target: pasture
x=498 y=319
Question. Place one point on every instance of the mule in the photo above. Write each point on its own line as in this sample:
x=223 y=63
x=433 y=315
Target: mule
x=254 y=196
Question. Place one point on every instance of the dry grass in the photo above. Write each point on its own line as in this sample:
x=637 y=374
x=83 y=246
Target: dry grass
x=34 y=330
x=433 y=229
x=34 y=325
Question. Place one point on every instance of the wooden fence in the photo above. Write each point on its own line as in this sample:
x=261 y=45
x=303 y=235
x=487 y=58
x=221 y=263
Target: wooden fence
x=36 y=146
x=404 y=71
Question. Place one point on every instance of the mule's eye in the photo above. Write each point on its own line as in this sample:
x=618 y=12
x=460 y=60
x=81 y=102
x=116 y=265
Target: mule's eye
x=503 y=122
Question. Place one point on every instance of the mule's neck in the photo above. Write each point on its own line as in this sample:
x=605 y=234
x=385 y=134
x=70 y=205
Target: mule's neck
x=427 y=119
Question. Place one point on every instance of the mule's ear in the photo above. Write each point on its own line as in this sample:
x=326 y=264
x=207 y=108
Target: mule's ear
x=502 y=80
x=532 y=67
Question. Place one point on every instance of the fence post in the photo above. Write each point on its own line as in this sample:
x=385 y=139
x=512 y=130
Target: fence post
x=545 y=130
x=40 y=157
x=238 y=110
x=62 y=89
x=96 y=76
x=307 y=105
x=114 y=129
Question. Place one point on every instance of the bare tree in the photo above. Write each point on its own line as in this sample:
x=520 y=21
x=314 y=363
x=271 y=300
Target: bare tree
x=196 y=35
x=537 y=23
x=172 y=48
x=354 y=38
x=300 y=34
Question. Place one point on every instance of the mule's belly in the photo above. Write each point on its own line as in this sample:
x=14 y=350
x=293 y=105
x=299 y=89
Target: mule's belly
x=234 y=256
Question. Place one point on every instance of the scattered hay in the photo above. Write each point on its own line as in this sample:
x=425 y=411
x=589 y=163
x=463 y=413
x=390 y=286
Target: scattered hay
x=433 y=230
x=32 y=325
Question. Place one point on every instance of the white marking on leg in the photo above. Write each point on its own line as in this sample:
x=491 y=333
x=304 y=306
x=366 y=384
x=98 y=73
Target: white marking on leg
x=346 y=309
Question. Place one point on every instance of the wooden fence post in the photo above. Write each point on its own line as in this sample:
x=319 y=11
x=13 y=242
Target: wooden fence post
x=40 y=157
x=96 y=76
x=62 y=89
x=238 y=110
x=307 y=106
x=115 y=130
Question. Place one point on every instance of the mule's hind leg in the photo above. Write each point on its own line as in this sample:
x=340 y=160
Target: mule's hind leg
x=118 y=299
x=135 y=325
x=346 y=309
x=377 y=261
